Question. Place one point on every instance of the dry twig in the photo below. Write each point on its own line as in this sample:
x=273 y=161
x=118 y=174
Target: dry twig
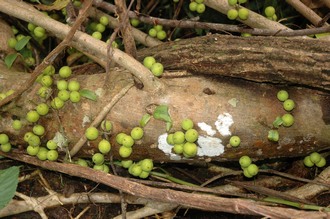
x=308 y=13
x=257 y=24
x=100 y=117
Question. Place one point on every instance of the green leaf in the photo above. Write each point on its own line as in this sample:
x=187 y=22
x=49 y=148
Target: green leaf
x=161 y=113
x=8 y=184
x=10 y=59
x=277 y=122
x=320 y=35
x=168 y=126
x=145 y=119
x=88 y=94
x=273 y=135
x=22 y=43
x=26 y=53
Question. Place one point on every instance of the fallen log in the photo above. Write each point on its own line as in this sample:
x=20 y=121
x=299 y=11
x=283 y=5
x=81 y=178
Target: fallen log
x=249 y=107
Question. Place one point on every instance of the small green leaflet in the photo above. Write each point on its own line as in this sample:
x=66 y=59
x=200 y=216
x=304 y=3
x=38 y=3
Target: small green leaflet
x=320 y=35
x=88 y=94
x=273 y=135
x=26 y=53
x=168 y=126
x=145 y=119
x=22 y=43
x=161 y=113
x=10 y=59
x=8 y=184
x=277 y=122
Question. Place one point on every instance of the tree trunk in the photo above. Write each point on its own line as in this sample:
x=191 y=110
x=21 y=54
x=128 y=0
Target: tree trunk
x=252 y=106
x=293 y=61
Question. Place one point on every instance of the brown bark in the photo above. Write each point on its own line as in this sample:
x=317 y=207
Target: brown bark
x=186 y=97
x=294 y=61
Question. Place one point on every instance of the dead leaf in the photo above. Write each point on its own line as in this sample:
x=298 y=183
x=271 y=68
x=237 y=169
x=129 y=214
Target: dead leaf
x=57 y=5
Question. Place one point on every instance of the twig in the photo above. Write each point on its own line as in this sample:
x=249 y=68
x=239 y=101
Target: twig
x=100 y=117
x=52 y=55
x=33 y=203
x=19 y=206
x=150 y=209
x=221 y=175
x=214 y=191
x=139 y=36
x=126 y=31
x=264 y=28
x=308 y=13
x=255 y=20
x=199 y=201
x=324 y=20
x=311 y=189
x=82 y=212
x=125 y=27
x=26 y=177
x=289 y=176
x=171 y=178
x=270 y=192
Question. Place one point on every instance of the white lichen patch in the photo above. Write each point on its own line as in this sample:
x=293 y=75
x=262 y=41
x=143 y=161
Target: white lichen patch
x=207 y=128
x=209 y=146
x=60 y=140
x=223 y=124
x=86 y=120
x=99 y=92
x=167 y=148
x=233 y=102
x=259 y=152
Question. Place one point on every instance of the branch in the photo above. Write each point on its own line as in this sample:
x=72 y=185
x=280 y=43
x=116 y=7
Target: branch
x=309 y=190
x=255 y=20
x=308 y=13
x=139 y=36
x=126 y=28
x=261 y=26
x=99 y=118
x=49 y=201
x=191 y=200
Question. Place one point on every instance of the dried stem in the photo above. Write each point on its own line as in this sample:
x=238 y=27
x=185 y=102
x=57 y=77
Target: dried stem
x=191 y=200
x=100 y=117
x=260 y=25
x=308 y=13
x=126 y=28
x=139 y=36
